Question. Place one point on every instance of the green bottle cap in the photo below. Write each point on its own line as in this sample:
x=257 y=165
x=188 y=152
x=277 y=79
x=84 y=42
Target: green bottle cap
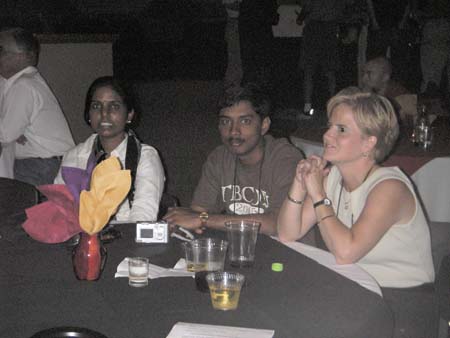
x=277 y=267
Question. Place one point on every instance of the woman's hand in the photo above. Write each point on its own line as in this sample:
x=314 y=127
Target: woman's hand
x=314 y=172
x=302 y=167
x=298 y=187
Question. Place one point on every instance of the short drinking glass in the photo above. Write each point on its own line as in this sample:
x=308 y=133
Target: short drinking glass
x=225 y=289
x=138 y=271
x=205 y=254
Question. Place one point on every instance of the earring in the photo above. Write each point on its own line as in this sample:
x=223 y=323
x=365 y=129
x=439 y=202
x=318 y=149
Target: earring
x=128 y=122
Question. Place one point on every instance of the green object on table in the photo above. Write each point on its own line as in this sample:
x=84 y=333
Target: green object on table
x=277 y=267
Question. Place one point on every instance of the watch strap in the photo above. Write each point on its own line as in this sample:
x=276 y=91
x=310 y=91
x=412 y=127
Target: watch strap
x=324 y=201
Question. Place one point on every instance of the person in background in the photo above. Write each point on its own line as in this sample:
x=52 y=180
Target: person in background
x=233 y=73
x=376 y=78
x=320 y=46
x=435 y=45
x=7 y=160
x=255 y=21
x=109 y=110
x=248 y=175
x=384 y=38
x=30 y=115
x=367 y=214
x=7 y=150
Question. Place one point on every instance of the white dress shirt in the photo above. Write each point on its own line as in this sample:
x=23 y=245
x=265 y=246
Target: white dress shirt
x=7 y=153
x=28 y=107
x=7 y=160
x=149 y=183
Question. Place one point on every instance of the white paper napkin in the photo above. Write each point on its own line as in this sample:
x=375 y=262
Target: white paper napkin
x=155 y=271
x=191 y=330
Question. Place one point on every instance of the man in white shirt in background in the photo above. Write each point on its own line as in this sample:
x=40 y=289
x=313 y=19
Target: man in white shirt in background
x=31 y=120
x=7 y=149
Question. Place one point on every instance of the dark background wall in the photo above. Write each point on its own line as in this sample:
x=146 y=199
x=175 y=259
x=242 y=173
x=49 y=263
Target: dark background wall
x=174 y=51
x=179 y=118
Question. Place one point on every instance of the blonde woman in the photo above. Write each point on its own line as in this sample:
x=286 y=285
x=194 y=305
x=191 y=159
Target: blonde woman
x=367 y=214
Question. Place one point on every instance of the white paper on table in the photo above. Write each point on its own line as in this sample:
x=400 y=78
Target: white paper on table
x=191 y=330
x=350 y=271
x=155 y=271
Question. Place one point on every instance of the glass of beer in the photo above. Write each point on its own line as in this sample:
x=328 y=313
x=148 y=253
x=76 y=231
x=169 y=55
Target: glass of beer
x=205 y=254
x=225 y=289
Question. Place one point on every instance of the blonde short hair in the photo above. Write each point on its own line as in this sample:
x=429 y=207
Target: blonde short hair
x=374 y=115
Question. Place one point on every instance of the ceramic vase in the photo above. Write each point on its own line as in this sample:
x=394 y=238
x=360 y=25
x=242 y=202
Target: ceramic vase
x=89 y=257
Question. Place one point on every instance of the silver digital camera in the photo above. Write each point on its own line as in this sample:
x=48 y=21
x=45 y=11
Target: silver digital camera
x=152 y=232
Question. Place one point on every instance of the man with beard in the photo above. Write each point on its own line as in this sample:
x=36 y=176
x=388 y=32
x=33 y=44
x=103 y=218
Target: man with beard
x=248 y=175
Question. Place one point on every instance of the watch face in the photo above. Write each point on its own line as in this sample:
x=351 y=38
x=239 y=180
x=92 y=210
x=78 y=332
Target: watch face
x=326 y=201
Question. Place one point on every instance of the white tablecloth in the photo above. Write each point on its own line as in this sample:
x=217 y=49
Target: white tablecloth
x=432 y=181
x=350 y=271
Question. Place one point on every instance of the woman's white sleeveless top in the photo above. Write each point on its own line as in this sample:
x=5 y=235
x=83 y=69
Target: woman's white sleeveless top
x=402 y=258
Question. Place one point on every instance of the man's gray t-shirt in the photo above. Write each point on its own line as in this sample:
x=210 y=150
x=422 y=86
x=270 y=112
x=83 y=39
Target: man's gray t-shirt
x=227 y=186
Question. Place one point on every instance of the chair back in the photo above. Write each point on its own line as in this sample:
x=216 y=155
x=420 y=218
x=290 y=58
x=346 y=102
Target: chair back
x=440 y=242
x=15 y=197
x=67 y=331
x=443 y=287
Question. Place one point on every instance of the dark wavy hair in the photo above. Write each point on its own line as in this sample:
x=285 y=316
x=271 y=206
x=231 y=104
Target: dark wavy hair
x=121 y=88
x=252 y=93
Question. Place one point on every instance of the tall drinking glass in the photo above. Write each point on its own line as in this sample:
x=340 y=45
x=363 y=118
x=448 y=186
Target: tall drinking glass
x=242 y=236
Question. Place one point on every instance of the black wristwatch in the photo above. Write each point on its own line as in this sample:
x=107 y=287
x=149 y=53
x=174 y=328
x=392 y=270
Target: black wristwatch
x=325 y=201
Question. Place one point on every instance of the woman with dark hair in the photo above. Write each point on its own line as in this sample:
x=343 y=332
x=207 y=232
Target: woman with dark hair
x=109 y=110
x=366 y=213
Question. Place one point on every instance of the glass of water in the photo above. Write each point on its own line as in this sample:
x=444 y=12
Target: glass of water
x=137 y=271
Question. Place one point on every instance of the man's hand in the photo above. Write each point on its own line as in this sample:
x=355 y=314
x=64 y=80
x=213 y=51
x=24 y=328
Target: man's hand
x=185 y=217
x=22 y=140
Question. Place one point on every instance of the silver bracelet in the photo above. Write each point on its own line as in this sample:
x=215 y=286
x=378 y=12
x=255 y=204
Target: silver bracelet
x=293 y=200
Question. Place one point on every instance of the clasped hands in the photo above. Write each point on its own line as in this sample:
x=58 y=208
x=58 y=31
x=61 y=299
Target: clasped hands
x=310 y=174
x=184 y=217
